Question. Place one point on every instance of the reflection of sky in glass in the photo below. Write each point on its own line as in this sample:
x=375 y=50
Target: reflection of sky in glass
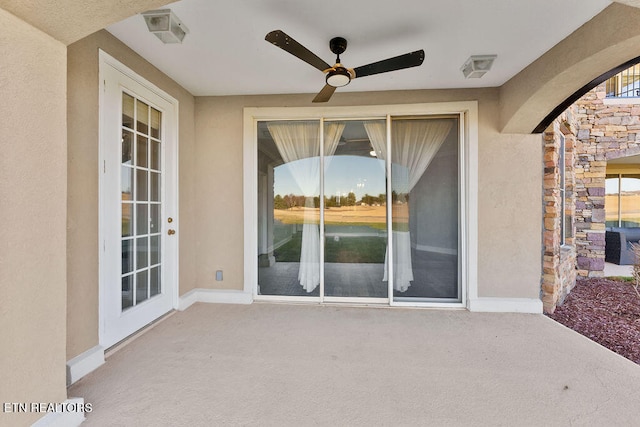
x=362 y=175
x=628 y=184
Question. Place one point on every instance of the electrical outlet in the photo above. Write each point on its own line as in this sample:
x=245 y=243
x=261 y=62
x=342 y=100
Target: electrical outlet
x=219 y=275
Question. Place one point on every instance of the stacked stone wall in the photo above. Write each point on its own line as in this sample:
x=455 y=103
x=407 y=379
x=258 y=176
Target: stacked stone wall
x=595 y=131
x=605 y=131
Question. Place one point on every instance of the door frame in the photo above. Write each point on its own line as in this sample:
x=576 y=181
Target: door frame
x=170 y=253
x=467 y=111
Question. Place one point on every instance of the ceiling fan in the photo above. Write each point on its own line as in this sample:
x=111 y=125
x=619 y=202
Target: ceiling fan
x=338 y=75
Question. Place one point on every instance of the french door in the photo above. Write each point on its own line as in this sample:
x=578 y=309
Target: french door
x=360 y=210
x=138 y=218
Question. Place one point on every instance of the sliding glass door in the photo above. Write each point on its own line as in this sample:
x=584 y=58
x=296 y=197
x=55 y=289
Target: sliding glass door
x=355 y=217
x=426 y=213
x=289 y=208
x=363 y=210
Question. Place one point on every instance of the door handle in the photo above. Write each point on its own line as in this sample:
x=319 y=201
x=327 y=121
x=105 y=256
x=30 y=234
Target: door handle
x=171 y=232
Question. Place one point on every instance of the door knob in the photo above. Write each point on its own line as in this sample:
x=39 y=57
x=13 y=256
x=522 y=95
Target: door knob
x=171 y=232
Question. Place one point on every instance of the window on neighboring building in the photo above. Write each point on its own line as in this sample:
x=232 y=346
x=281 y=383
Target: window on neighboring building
x=625 y=84
x=622 y=200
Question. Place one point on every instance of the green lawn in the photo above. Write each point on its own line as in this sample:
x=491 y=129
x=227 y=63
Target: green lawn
x=345 y=250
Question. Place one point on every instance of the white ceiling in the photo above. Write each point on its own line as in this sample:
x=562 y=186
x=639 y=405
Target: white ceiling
x=225 y=52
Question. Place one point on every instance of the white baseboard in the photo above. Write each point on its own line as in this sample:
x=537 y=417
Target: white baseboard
x=219 y=296
x=84 y=363
x=71 y=415
x=506 y=305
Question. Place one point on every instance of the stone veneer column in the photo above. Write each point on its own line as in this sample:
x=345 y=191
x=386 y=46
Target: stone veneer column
x=559 y=273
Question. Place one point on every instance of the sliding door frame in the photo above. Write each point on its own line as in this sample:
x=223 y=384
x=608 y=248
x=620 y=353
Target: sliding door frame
x=467 y=113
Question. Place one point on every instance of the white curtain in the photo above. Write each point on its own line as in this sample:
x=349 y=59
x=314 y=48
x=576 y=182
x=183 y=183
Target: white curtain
x=297 y=141
x=414 y=144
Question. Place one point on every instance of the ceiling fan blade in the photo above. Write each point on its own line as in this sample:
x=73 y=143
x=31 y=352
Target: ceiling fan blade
x=285 y=42
x=325 y=94
x=407 y=60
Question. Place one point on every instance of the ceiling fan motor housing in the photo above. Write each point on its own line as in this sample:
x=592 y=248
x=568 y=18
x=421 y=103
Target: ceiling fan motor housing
x=338 y=45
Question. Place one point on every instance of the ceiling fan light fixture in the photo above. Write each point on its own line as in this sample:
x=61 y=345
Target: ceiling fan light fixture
x=338 y=77
x=165 y=25
x=477 y=66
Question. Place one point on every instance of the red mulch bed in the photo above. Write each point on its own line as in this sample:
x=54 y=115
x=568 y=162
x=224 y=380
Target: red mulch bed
x=606 y=311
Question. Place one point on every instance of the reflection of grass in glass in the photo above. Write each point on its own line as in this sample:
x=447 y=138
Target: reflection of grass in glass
x=345 y=250
x=374 y=225
x=126 y=227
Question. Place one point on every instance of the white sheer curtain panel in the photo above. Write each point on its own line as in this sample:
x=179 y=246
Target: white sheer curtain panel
x=414 y=144
x=299 y=145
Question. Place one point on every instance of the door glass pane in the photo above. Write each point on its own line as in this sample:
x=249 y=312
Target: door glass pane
x=154 y=281
x=156 y=118
x=154 y=218
x=127 y=292
x=127 y=147
x=127 y=219
x=289 y=208
x=425 y=194
x=155 y=186
x=155 y=155
x=127 y=256
x=142 y=253
x=127 y=110
x=142 y=117
x=140 y=219
x=142 y=286
x=355 y=209
x=154 y=250
x=127 y=183
x=142 y=186
x=141 y=151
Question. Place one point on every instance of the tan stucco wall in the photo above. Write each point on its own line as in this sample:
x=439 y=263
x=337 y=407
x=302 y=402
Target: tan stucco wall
x=82 y=261
x=33 y=211
x=509 y=189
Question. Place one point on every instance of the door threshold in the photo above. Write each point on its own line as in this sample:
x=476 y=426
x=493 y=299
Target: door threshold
x=120 y=344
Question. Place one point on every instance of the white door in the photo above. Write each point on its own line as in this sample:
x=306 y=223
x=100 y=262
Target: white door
x=138 y=194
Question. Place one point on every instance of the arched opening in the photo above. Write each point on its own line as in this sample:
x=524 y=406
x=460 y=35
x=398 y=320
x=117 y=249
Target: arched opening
x=592 y=180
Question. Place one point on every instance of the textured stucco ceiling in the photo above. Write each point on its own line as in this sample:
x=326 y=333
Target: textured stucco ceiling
x=225 y=52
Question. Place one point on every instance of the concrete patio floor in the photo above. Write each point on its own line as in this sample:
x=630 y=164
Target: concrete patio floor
x=278 y=364
x=614 y=270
